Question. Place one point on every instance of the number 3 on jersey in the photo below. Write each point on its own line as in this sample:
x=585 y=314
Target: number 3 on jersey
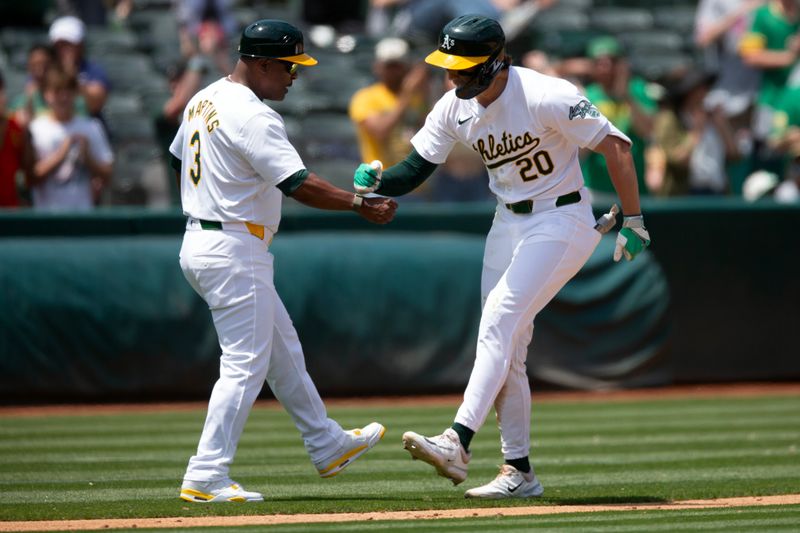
x=194 y=172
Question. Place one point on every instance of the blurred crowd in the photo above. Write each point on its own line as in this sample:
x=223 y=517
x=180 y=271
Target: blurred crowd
x=726 y=123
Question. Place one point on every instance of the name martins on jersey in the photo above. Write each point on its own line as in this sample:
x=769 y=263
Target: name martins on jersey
x=205 y=109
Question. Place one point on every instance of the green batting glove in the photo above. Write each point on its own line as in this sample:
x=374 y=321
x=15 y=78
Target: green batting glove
x=632 y=238
x=367 y=177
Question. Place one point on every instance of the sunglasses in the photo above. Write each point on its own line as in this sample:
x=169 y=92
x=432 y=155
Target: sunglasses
x=466 y=73
x=290 y=67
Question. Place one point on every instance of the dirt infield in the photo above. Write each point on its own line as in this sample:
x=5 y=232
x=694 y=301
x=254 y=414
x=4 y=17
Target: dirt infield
x=271 y=520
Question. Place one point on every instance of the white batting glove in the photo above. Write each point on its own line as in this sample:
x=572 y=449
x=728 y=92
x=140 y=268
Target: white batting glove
x=367 y=178
x=604 y=224
x=632 y=238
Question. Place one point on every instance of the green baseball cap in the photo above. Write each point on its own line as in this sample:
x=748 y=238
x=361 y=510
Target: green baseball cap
x=604 y=47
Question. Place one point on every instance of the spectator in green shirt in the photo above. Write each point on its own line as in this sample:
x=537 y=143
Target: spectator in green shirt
x=772 y=45
x=622 y=98
x=784 y=136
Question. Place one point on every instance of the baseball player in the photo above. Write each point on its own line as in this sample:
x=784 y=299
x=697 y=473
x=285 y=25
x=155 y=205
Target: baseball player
x=528 y=128
x=233 y=161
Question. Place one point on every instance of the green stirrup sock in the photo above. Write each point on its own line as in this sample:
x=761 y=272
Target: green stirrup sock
x=522 y=464
x=464 y=435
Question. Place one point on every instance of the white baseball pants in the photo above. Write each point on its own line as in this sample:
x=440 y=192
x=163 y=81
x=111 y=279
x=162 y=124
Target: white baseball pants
x=233 y=273
x=528 y=258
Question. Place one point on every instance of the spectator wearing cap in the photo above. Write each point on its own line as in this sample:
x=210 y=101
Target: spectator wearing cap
x=627 y=102
x=387 y=113
x=67 y=35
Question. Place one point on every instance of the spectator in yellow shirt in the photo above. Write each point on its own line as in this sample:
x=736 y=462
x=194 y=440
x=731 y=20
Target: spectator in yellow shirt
x=387 y=113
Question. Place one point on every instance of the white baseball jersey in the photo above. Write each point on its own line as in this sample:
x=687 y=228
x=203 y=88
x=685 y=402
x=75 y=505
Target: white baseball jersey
x=528 y=138
x=234 y=151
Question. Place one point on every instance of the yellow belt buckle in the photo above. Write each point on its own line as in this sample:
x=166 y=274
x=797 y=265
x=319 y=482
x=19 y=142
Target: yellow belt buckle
x=256 y=230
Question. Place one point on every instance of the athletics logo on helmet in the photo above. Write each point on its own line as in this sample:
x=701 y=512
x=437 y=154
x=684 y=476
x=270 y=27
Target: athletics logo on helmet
x=447 y=42
x=274 y=39
x=471 y=41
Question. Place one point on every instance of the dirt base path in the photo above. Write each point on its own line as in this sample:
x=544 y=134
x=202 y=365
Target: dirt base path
x=270 y=520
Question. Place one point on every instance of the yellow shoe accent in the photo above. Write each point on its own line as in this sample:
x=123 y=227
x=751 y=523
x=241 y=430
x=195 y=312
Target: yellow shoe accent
x=341 y=460
x=223 y=490
x=369 y=436
x=191 y=495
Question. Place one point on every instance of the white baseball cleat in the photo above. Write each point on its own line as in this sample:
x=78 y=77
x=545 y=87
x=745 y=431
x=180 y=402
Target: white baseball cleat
x=223 y=490
x=509 y=483
x=359 y=442
x=444 y=452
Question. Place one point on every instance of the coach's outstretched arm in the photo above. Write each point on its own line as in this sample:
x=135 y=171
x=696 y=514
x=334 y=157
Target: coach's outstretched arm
x=311 y=190
x=396 y=180
x=633 y=237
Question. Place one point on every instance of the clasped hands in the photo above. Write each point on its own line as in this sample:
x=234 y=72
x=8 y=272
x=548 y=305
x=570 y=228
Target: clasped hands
x=366 y=180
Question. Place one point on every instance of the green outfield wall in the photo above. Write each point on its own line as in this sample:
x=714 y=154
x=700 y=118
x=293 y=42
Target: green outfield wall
x=95 y=307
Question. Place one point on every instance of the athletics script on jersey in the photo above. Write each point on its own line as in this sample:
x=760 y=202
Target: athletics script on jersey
x=206 y=110
x=514 y=146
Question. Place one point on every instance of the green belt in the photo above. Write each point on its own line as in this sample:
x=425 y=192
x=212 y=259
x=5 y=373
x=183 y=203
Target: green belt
x=525 y=207
x=210 y=224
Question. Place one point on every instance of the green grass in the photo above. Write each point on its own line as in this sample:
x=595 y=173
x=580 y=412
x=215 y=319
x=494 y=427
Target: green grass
x=130 y=465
